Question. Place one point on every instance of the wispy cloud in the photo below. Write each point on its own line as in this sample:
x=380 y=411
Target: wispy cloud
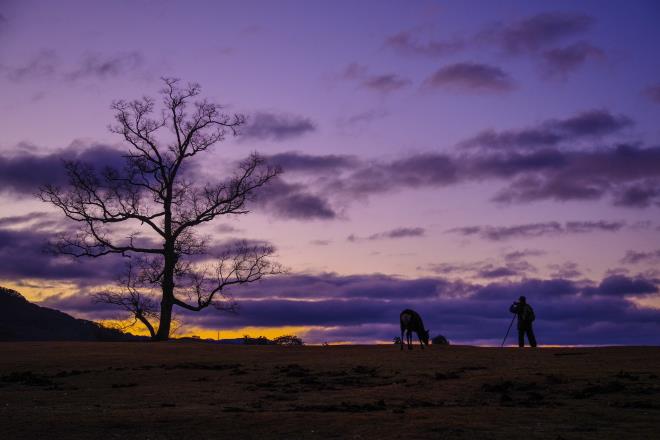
x=319 y=186
x=485 y=269
x=635 y=257
x=382 y=82
x=364 y=117
x=292 y=161
x=25 y=171
x=539 y=31
x=106 y=66
x=559 y=62
x=566 y=270
x=320 y=242
x=276 y=127
x=543 y=37
x=409 y=43
x=44 y=64
x=474 y=77
x=391 y=234
x=653 y=93
x=295 y=201
x=587 y=124
x=529 y=230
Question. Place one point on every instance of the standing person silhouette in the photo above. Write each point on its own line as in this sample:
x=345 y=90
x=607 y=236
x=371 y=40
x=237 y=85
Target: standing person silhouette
x=525 y=318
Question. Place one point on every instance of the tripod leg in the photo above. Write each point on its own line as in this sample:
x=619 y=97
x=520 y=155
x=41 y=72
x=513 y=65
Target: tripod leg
x=507 y=331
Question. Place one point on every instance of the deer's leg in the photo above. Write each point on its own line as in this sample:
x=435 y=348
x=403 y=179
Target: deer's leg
x=409 y=338
x=421 y=344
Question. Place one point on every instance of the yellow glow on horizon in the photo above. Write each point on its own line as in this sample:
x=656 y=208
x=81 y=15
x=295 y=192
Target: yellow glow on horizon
x=38 y=290
x=254 y=332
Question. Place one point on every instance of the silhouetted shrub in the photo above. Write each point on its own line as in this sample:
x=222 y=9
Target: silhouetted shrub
x=440 y=340
x=288 y=340
x=261 y=340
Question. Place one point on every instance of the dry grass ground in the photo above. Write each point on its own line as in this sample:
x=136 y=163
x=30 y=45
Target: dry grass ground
x=201 y=391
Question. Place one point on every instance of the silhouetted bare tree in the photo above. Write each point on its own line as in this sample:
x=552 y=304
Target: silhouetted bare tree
x=149 y=209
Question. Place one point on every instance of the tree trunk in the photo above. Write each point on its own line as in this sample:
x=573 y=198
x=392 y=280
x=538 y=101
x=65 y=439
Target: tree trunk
x=167 y=302
x=163 y=333
x=169 y=257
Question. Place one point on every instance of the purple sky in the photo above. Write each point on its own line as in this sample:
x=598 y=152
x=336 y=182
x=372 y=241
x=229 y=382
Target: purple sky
x=442 y=156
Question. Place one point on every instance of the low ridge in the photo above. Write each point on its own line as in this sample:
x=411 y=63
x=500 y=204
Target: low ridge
x=21 y=320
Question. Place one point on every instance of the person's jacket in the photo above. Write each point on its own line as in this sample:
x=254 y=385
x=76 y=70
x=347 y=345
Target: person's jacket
x=525 y=313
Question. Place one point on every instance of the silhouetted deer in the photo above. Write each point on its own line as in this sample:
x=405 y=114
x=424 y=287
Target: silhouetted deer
x=412 y=322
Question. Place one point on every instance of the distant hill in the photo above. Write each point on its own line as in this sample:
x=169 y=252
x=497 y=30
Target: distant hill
x=20 y=320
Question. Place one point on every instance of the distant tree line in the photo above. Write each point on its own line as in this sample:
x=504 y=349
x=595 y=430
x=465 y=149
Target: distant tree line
x=280 y=340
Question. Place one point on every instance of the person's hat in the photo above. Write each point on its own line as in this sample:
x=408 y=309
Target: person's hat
x=522 y=299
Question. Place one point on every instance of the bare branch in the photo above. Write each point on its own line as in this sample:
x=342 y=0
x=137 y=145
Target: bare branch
x=142 y=307
x=241 y=265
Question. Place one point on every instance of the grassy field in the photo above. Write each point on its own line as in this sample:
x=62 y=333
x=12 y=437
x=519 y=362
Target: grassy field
x=181 y=390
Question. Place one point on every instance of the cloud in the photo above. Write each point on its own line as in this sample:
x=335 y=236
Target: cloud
x=638 y=194
x=392 y=234
x=584 y=125
x=304 y=206
x=399 y=233
x=339 y=180
x=22 y=220
x=383 y=83
x=276 y=127
x=81 y=304
x=364 y=117
x=620 y=285
x=24 y=172
x=567 y=270
x=500 y=233
x=538 y=31
x=224 y=228
x=408 y=44
x=386 y=83
x=536 y=37
x=511 y=265
x=498 y=272
x=471 y=77
x=319 y=186
x=559 y=62
x=653 y=93
x=322 y=187
x=354 y=71
x=44 y=64
x=634 y=257
x=366 y=308
x=294 y=201
x=518 y=255
x=415 y=171
x=626 y=174
x=23 y=256
x=105 y=66
x=293 y=161
x=215 y=249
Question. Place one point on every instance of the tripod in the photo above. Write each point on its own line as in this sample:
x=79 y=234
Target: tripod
x=507 y=331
